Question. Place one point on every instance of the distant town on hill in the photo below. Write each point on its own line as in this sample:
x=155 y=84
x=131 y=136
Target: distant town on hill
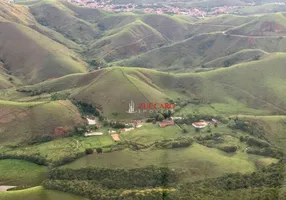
x=190 y=8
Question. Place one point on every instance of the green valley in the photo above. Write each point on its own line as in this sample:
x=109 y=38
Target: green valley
x=115 y=100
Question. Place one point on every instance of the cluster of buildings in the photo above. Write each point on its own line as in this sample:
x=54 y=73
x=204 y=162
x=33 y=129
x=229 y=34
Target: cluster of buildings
x=151 y=8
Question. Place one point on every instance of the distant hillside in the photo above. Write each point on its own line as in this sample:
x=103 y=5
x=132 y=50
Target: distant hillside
x=273 y=24
x=89 y=14
x=15 y=13
x=228 y=19
x=21 y=122
x=40 y=58
x=256 y=85
x=56 y=16
x=267 y=7
x=236 y=58
x=170 y=27
x=124 y=42
x=200 y=49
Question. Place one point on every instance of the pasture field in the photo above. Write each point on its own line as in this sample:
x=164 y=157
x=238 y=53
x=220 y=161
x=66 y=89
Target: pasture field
x=38 y=193
x=56 y=150
x=195 y=162
x=19 y=172
x=149 y=133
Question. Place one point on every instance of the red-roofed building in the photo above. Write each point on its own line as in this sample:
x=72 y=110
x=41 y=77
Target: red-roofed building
x=166 y=123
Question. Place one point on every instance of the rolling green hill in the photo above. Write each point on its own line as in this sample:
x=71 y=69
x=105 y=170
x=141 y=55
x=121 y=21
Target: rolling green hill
x=132 y=39
x=261 y=88
x=273 y=24
x=172 y=28
x=55 y=15
x=236 y=58
x=193 y=52
x=40 y=58
x=15 y=13
x=228 y=19
x=22 y=122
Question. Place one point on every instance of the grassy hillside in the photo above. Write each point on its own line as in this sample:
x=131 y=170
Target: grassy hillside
x=260 y=9
x=228 y=19
x=55 y=15
x=172 y=28
x=262 y=87
x=116 y=20
x=21 y=122
x=236 y=58
x=193 y=52
x=19 y=172
x=40 y=57
x=273 y=24
x=274 y=127
x=85 y=13
x=38 y=193
x=132 y=39
x=16 y=13
x=114 y=90
x=201 y=162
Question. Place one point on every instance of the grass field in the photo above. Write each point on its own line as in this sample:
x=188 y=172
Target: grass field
x=58 y=149
x=150 y=133
x=196 y=162
x=38 y=193
x=19 y=172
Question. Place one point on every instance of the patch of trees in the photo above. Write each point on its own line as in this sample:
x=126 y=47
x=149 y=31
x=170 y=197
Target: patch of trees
x=227 y=63
x=211 y=140
x=96 y=63
x=253 y=128
x=119 y=178
x=37 y=159
x=180 y=142
x=60 y=96
x=117 y=125
x=159 y=116
x=68 y=159
x=266 y=151
x=79 y=130
x=89 y=151
x=270 y=176
x=103 y=191
x=228 y=148
x=251 y=141
x=86 y=109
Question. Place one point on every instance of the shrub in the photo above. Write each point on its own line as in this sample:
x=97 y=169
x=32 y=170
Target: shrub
x=99 y=150
x=46 y=138
x=89 y=151
x=257 y=142
x=228 y=149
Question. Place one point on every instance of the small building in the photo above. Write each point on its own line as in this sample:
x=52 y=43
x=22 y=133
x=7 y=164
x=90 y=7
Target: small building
x=111 y=131
x=93 y=134
x=165 y=123
x=91 y=121
x=173 y=118
x=200 y=124
x=215 y=121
